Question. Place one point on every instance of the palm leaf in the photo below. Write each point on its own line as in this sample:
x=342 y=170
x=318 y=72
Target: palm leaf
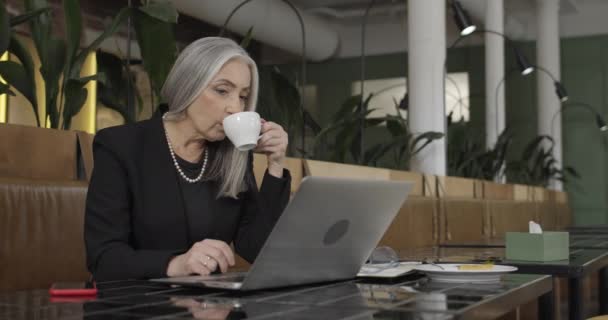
x=19 y=50
x=161 y=10
x=73 y=26
x=16 y=75
x=157 y=60
x=247 y=39
x=6 y=89
x=76 y=95
x=5 y=30
x=426 y=138
x=109 y=31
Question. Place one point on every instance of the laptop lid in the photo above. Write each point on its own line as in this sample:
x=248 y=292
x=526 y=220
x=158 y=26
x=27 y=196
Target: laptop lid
x=326 y=233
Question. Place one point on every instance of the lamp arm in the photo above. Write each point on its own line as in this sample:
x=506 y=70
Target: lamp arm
x=225 y=25
x=547 y=72
x=303 y=62
x=500 y=84
x=586 y=106
x=460 y=37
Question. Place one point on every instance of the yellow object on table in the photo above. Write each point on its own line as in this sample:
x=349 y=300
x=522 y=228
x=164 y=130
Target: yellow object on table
x=475 y=267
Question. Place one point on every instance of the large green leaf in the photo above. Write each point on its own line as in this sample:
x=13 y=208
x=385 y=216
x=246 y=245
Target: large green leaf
x=84 y=53
x=426 y=138
x=22 y=18
x=287 y=99
x=51 y=73
x=5 y=30
x=107 y=98
x=75 y=97
x=113 y=93
x=6 y=89
x=161 y=10
x=73 y=26
x=247 y=39
x=395 y=127
x=572 y=171
x=311 y=122
x=16 y=76
x=40 y=27
x=158 y=59
x=18 y=49
x=349 y=106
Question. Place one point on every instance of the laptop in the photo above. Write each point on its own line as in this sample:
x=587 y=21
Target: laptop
x=326 y=233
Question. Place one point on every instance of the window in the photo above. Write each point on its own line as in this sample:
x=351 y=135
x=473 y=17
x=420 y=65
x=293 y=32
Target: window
x=390 y=91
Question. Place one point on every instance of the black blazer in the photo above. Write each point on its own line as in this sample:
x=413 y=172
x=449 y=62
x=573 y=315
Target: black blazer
x=135 y=220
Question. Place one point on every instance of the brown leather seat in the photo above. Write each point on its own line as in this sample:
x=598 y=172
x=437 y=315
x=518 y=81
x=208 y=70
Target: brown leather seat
x=41 y=223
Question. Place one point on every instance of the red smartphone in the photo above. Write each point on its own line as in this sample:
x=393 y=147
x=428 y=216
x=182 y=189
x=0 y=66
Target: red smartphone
x=62 y=289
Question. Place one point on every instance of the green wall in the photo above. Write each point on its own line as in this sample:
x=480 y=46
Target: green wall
x=584 y=73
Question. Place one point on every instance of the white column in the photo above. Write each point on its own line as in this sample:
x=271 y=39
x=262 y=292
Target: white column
x=495 y=71
x=426 y=57
x=548 y=57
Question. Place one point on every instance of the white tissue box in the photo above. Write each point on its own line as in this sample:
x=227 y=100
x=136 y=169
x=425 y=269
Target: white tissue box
x=546 y=246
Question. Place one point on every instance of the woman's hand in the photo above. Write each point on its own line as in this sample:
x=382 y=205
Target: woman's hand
x=274 y=144
x=203 y=258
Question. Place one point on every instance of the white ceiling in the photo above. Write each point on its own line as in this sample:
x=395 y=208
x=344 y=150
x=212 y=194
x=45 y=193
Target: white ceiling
x=387 y=24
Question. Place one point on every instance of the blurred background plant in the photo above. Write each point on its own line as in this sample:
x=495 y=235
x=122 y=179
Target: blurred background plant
x=20 y=76
x=339 y=140
x=468 y=157
x=62 y=59
x=537 y=165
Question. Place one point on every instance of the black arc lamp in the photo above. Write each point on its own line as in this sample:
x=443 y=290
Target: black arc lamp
x=522 y=62
x=462 y=19
x=560 y=89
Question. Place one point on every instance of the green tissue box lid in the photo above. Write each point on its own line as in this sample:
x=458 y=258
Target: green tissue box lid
x=548 y=246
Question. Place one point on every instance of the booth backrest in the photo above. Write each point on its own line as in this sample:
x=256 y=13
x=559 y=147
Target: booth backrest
x=37 y=153
x=41 y=223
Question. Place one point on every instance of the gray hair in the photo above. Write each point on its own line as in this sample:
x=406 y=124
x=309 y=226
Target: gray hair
x=195 y=67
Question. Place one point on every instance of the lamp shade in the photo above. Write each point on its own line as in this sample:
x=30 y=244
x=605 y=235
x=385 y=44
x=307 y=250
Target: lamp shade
x=601 y=124
x=404 y=103
x=560 y=91
x=462 y=19
x=522 y=63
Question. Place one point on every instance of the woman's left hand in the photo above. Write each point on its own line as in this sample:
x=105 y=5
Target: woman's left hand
x=273 y=143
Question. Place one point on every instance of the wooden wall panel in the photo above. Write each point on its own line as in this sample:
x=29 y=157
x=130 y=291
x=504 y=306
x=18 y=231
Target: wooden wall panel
x=416 y=225
x=510 y=216
x=463 y=220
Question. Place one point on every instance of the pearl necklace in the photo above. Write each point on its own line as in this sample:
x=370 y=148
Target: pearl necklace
x=179 y=169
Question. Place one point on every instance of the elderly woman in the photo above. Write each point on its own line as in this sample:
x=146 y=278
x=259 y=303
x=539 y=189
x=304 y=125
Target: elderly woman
x=169 y=194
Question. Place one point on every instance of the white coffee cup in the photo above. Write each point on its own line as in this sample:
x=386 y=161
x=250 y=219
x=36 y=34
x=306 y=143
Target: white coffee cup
x=243 y=129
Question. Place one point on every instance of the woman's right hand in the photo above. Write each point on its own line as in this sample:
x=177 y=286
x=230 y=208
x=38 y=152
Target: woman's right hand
x=203 y=258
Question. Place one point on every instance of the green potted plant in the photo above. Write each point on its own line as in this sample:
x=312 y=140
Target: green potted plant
x=62 y=59
x=468 y=157
x=339 y=140
x=537 y=165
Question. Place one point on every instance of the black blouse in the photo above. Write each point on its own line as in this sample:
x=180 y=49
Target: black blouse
x=140 y=213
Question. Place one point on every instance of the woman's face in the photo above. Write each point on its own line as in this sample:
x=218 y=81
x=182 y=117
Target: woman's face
x=227 y=93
